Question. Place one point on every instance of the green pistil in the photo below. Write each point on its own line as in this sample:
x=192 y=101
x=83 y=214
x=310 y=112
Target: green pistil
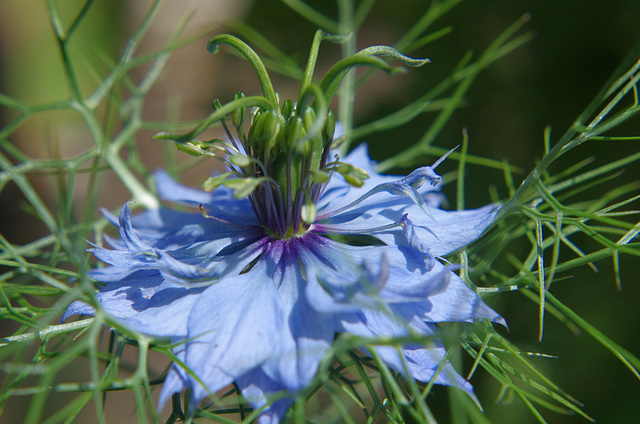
x=291 y=147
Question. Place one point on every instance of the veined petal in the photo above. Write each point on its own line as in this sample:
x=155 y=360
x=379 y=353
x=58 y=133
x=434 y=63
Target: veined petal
x=420 y=362
x=77 y=308
x=177 y=379
x=337 y=281
x=343 y=278
x=148 y=304
x=126 y=259
x=310 y=333
x=172 y=191
x=128 y=236
x=442 y=231
x=338 y=194
x=235 y=326
x=457 y=303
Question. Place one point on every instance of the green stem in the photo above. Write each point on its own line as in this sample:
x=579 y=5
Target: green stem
x=254 y=60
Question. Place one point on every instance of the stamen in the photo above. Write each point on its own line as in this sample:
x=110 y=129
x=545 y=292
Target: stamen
x=227 y=132
x=224 y=221
x=289 y=190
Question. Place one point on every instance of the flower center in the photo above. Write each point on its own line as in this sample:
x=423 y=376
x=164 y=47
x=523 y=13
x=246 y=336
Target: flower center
x=286 y=156
x=281 y=163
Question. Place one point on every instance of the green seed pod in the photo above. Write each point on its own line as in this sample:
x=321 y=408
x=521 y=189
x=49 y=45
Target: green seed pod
x=294 y=132
x=309 y=117
x=255 y=132
x=239 y=115
x=329 y=127
x=272 y=124
x=287 y=108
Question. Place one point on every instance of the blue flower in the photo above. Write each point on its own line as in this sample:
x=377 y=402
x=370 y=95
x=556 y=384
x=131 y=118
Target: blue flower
x=247 y=307
x=253 y=288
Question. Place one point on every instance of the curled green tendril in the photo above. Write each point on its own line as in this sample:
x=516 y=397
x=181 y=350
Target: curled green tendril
x=320 y=36
x=253 y=58
x=365 y=57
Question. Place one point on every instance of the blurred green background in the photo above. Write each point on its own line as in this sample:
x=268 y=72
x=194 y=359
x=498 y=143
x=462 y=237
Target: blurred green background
x=549 y=81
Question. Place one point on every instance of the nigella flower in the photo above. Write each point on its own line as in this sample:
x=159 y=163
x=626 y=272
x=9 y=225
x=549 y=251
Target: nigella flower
x=254 y=286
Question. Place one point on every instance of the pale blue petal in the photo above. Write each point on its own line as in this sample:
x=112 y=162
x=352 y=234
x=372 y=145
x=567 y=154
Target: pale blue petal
x=235 y=325
x=172 y=191
x=310 y=333
x=126 y=259
x=128 y=236
x=256 y=386
x=148 y=304
x=441 y=231
x=177 y=379
x=77 y=308
x=338 y=193
x=343 y=278
x=336 y=279
x=457 y=303
x=419 y=361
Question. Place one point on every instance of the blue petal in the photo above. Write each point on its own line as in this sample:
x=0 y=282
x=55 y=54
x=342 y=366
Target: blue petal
x=442 y=231
x=150 y=305
x=170 y=190
x=310 y=333
x=177 y=379
x=343 y=278
x=128 y=236
x=336 y=279
x=338 y=193
x=77 y=308
x=457 y=303
x=418 y=361
x=235 y=326
x=256 y=386
x=126 y=259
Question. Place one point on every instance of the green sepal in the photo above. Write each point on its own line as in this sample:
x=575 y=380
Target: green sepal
x=294 y=132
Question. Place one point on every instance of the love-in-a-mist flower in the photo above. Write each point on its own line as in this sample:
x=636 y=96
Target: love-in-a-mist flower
x=254 y=286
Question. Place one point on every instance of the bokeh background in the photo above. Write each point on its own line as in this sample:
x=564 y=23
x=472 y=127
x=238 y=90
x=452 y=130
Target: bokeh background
x=549 y=81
